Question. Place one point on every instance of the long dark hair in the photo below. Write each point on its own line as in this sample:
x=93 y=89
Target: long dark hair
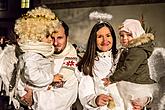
x=87 y=62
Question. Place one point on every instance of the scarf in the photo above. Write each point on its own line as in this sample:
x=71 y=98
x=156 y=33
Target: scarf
x=38 y=47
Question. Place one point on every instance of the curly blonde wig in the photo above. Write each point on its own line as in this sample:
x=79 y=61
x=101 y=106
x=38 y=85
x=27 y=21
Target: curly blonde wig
x=36 y=24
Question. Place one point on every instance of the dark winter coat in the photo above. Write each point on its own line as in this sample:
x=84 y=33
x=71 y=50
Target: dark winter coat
x=133 y=63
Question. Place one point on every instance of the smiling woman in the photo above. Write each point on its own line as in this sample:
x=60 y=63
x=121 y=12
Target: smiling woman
x=104 y=41
x=96 y=65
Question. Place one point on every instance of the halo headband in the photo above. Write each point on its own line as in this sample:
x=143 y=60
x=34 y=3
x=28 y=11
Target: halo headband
x=100 y=17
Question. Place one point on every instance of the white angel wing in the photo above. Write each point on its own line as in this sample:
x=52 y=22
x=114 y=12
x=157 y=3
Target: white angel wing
x=156 y=64
x=157 y=72
x=7 y=61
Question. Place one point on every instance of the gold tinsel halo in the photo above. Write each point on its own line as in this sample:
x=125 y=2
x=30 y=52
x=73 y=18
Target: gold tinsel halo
x=36 y=24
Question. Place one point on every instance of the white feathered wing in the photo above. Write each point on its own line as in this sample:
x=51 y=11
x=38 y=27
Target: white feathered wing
x=157 y=72
x=7 y=61
x=156 y=64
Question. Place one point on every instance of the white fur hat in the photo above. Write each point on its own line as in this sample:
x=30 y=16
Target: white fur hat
x=132 y=26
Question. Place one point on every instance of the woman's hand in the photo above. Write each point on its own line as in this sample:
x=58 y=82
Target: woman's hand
x=102 y=99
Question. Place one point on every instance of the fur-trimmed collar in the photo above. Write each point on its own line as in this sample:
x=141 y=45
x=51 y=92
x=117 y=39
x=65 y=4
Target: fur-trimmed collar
x=143 y=39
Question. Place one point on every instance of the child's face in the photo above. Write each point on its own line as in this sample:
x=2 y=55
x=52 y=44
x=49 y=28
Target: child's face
x=104 y=39
x=47 y=39
x=125 y=38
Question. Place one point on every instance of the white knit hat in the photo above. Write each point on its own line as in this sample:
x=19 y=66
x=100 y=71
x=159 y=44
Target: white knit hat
x=132 y=26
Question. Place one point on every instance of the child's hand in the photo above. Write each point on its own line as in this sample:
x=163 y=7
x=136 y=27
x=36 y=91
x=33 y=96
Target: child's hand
x=58 y=78
x=139 y=103
x=58 y=81
x=106 y=81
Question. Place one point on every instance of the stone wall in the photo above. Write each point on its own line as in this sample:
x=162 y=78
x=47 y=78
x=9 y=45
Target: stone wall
x=80 y=25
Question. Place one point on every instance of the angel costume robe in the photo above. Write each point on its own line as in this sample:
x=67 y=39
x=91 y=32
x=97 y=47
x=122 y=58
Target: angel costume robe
x=122 y=92
x=60 y=98
x=90 y=88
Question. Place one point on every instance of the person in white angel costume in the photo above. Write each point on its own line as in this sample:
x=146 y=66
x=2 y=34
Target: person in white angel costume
x=63 y=93
x=34 y=30
x=34 y=68
x=96 y=66
x=99 y=62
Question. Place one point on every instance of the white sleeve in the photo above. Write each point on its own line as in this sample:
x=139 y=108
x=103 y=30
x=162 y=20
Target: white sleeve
x=57 y=99
x=87 y=93
x=78 y=74
x=38 y=70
